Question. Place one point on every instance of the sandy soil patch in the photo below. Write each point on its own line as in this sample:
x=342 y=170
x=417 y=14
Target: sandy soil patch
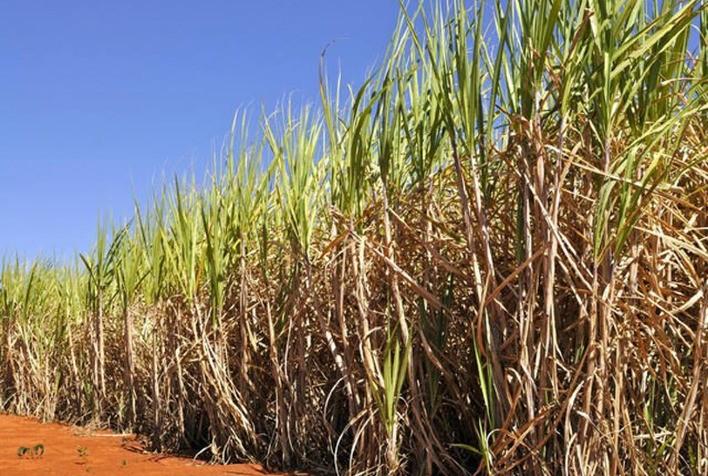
x=69 y=451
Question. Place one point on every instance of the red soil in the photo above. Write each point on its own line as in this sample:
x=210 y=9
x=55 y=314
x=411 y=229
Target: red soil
x=74 y=451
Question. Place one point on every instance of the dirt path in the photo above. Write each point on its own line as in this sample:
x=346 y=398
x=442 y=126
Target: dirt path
x=70 y=451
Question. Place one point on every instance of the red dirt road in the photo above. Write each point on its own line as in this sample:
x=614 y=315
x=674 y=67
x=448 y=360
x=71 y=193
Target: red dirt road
x=71 y=451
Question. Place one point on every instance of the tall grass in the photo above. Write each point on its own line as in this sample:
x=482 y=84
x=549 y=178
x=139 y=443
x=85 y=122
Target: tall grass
x=491 y=257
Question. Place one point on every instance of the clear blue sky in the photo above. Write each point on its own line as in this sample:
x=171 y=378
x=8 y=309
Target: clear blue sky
x=99 y=99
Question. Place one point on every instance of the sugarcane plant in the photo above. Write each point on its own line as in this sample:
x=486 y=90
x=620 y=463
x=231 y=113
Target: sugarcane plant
x=489 y=257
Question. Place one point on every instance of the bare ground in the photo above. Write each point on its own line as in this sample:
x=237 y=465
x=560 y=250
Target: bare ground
x=77 y=451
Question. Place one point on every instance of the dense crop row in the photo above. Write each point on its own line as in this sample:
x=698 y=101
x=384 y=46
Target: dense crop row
x=490 y=256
